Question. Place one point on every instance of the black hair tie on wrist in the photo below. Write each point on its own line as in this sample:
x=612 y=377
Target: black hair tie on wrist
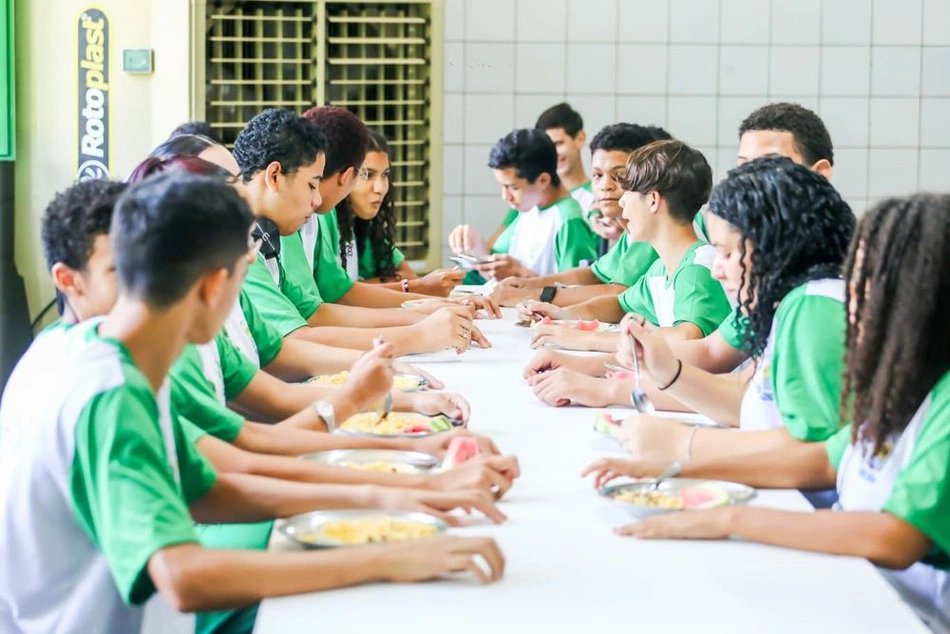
x=676 y=376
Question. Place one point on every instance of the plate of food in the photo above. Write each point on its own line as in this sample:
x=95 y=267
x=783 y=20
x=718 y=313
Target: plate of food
x=358 y=527
x=401 y=382
x=379 y=460
x=592 y=325
x=641 y=499
x=394 y=424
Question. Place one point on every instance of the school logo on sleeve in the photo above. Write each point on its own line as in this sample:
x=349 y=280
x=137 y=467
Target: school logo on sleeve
x=763 y=382
x=94 y=96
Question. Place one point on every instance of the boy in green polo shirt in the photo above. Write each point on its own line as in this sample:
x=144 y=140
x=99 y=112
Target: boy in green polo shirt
x=626 y=261
x=100 y=489
x=550 y=233
x=665 y=185
x=282 y=158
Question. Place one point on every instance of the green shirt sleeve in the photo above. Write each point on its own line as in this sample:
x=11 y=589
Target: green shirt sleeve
x=191 y=432
x=296 y=279
x=638 y=299
x=699 y=226
x=732 y=327
x=574 y=244
x=193 y=397
x=268 y=339
x=237 y=369
x=503 y=243
x=123 y=489
x=699 y=299
x=807 y=363
x=921 y=493
x=837 y=444
x=333 y=282
x=510 y=217
x=367 y=261
x=625 y=263
x=275 y=307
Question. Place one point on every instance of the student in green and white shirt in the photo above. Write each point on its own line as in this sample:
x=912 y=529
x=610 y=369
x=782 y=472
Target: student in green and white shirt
x=99 y=487
x=782 y=129
x=367 y=220
x=627 y=260
x=550 y=233
x=891 y=463
x=285 y=187
x=666 y=183
x=796 y=318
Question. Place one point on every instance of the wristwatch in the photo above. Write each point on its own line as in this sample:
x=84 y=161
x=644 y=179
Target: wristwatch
x=548 y=293
x=326 y=411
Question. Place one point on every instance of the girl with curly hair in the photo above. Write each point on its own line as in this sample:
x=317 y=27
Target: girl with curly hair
x=781 y=233
x=891 y=462
x=367 y=224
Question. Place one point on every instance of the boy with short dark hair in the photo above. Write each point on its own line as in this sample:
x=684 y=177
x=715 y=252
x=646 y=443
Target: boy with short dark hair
x=550 y=233
x=100 y=488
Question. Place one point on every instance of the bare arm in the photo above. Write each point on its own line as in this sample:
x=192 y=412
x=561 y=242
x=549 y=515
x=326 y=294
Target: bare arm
x=717 y=396
x=357 y=316
x=376 y=296
x=299 y=360
x=272 y=399
x=604 y=308
x=407 y=339
x=710 y=353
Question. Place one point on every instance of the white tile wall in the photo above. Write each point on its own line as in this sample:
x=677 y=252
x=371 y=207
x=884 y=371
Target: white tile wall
x=878 y=72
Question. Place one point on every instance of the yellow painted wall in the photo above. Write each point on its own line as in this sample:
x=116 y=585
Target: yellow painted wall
x=145 y=108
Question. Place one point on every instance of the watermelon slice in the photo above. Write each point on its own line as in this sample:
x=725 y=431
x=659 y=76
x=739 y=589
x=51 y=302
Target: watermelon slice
x=544 y=321
x=607 y=425
x=588 y=326
x=461 y=448
x=704 y=496
x=417 y=429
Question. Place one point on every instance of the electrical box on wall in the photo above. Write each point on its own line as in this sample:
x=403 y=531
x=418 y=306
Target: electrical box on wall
x=137 y=61
x=7 y=127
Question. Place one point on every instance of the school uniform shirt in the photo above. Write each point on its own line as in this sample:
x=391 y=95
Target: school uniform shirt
x=367 y=260
x=318 y=258
x=251 y=334
x=280 y=300
x=797 y=381
x=909 y=477
x=690 y=294
x=584 y=195
x=625 y=263
x=550 y=239
x=732 y=327
x=204 y=378
x=95 y=478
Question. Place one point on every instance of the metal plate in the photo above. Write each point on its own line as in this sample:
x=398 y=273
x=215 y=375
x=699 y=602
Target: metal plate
x=413 y=383
x=298 y=527
x=416 y=462
x=738 y=493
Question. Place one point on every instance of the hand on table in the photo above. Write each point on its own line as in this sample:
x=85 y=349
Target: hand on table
x=435 y=403
x=571 y=338
x=424 y=559
x=531 y=311
x=436 y=445
x=708 y=524
x=564 y=387
x=547 y=360
x=654 y=439
x=410 y=370
x=493 y=474
x=439 y=282
x=440 y=503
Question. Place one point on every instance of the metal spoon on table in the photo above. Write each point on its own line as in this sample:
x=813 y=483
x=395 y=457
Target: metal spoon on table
x=638 y=398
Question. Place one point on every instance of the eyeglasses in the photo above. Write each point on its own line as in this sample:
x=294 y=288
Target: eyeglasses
x=361 y=177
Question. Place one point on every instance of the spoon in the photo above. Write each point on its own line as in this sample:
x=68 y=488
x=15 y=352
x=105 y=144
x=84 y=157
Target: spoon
x=638 y=398
x=675 y=468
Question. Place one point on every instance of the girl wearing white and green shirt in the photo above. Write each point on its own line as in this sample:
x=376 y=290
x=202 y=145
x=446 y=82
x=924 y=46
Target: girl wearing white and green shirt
x=781 y=233
x=666 y=184
x=366 y=230
x=891 y=463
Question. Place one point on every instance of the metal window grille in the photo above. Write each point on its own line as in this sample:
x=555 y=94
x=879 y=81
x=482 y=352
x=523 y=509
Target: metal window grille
x=381 y=60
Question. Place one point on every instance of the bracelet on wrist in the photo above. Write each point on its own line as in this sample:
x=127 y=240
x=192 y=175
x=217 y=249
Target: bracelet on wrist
x=405 y=285
x=679 y=370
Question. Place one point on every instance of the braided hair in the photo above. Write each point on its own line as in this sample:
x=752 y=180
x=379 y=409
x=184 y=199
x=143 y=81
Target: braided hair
x=899 y=298
x=381 y=230
x=798 y=227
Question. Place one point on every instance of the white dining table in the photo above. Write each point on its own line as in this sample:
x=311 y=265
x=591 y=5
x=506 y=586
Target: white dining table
x=566 y=570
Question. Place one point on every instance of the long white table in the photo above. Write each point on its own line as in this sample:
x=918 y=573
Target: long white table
x=566 y=569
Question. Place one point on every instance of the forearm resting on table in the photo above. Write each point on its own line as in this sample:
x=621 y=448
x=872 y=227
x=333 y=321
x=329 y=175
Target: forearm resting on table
x=269 y=398
x=581 y=294
x=606 y=309
x=718 y=397
x=288 y=440
x=881 y=538
x=228 y=458
x=375 y=296
x=405 y=338
x=299 y=360
x=797 y=465
x=709 y=442
x=193 y=579
x=359 y=317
